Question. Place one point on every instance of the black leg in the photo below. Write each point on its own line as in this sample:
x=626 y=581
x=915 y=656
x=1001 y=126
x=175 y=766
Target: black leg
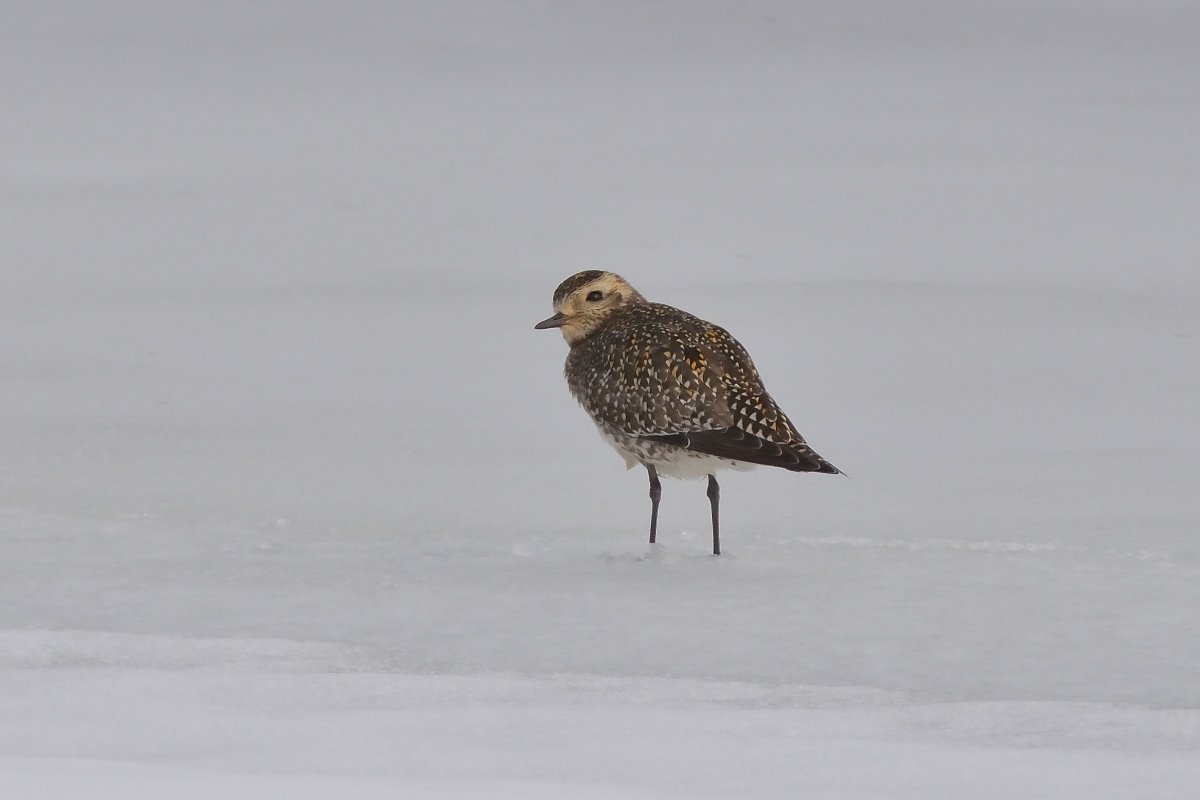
x=655 y=493
x=714 y=497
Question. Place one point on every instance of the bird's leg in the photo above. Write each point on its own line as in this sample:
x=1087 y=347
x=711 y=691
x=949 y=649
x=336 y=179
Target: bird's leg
x=655 y=494
x=714 y=498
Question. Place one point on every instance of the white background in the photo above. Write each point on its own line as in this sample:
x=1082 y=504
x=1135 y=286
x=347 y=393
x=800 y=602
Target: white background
x=294 y=502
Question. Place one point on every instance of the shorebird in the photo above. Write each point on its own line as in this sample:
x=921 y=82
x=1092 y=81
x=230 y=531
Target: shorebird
x=669 y=391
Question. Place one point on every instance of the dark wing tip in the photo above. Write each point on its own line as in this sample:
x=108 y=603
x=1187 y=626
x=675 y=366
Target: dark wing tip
x=737 y=445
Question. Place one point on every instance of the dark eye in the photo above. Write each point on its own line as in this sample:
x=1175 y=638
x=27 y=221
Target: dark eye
x=595 y=297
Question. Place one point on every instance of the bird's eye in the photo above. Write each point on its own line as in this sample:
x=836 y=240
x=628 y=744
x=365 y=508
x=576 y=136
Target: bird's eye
x=595 y=297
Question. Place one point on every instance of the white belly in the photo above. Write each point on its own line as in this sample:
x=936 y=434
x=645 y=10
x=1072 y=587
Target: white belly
x=667 y=459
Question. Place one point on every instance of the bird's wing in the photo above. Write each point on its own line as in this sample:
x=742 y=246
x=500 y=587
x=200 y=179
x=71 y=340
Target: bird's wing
x=696 y=387
x=659 y=380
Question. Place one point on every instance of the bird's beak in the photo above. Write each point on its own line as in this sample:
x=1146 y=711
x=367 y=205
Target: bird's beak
x=557 y=321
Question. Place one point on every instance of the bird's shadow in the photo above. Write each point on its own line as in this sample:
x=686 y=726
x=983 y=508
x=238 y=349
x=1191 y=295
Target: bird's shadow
x=661 y=554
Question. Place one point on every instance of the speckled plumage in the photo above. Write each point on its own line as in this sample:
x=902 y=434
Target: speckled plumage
x=669 y=390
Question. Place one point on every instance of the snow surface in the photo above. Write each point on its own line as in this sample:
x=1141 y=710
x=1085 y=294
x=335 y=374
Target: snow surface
x=294 y=502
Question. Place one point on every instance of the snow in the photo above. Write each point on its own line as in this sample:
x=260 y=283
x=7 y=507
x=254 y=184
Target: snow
x=294 y=502
x=276 y=718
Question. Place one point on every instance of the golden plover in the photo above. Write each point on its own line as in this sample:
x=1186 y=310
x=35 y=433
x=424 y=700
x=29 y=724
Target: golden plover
x=669 y=391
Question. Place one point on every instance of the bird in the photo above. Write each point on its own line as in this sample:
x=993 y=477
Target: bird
x=670 y=391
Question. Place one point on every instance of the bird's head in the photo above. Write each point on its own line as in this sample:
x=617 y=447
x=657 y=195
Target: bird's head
x=585 y=300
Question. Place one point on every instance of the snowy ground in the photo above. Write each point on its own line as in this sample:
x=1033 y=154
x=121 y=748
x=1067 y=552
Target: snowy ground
x=294 y=502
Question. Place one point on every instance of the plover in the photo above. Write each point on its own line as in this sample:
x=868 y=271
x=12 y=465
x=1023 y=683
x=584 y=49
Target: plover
x=669 y=391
